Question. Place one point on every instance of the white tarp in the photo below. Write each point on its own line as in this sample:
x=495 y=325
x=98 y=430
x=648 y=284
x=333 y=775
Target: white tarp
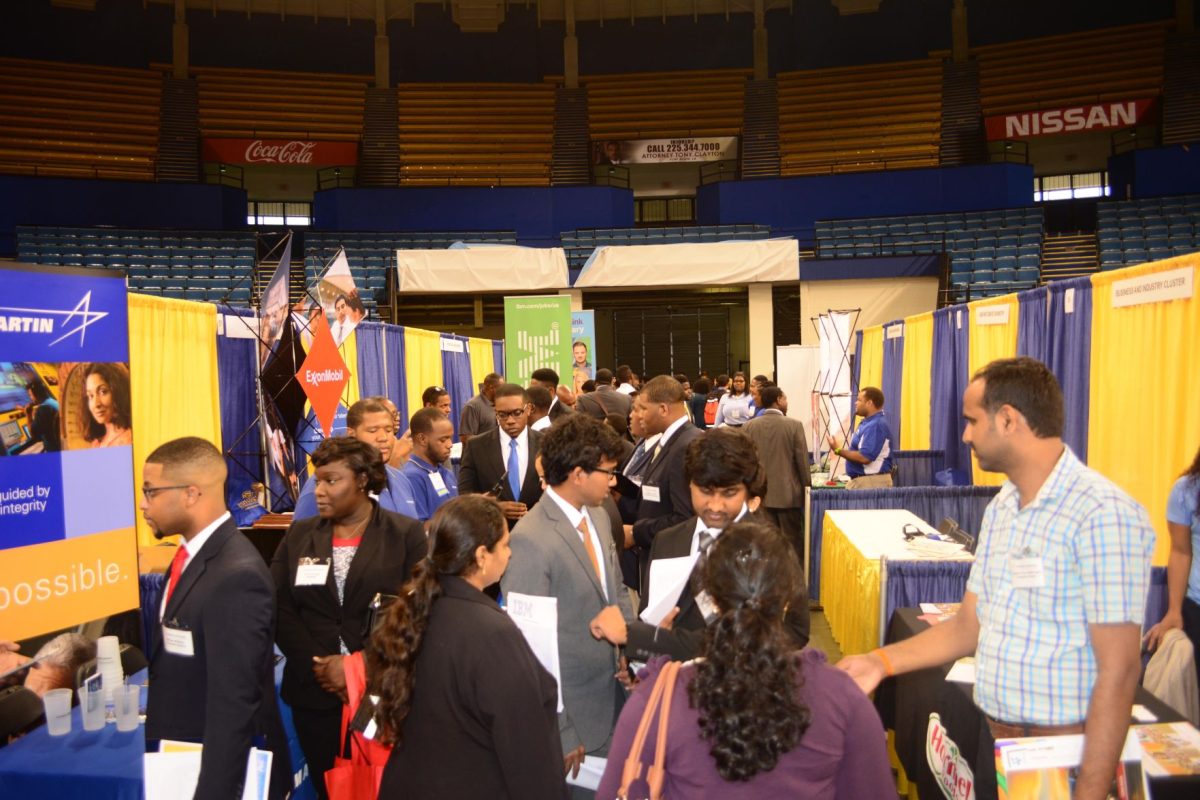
x=505 y=269
x=714 y=263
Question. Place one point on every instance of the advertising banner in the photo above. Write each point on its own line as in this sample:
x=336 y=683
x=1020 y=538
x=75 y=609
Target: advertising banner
x=1054 y=121
x=583 y=348
x=665 y=151
x=537 y=334
x=280 y=152
x=68 y=550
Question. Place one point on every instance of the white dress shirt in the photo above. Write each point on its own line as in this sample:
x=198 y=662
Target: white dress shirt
x=191 y=548
x=715 y=532
x=522 y=441
x=574 y=515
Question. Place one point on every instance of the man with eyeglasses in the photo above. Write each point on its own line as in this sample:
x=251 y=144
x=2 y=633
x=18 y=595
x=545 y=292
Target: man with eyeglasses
x=212 y=677
x=500 y=462
x=563 y=549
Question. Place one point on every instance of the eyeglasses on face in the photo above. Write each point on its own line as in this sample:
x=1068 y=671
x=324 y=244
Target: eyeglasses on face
x=612 y=473
x=512 y=414
x=151 y=491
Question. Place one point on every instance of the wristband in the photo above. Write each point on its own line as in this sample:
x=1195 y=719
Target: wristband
x=887 y=664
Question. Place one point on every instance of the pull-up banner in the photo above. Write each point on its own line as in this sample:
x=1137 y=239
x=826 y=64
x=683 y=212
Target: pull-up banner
x=537 y=333
x=666 y=151
x=1054 y=121
x=68 y=551
x=280 y=152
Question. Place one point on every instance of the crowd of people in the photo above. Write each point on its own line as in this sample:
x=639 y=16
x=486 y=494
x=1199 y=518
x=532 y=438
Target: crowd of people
x=383 y=595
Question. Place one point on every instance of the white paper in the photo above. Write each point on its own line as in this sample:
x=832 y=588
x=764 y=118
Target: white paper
x=174 y=773
x=668 y=577
x=456 y=451
x=258 y=775
x=963 y=671
x=1053 y=752
x=930 y=608
x=590 y=772
x=312 y=574
x=650 y=493
x=537 y=619
x=1143 y=714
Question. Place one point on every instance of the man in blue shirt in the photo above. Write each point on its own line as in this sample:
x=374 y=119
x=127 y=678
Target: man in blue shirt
x=370 y=421
x=869 y=454
x=432 y=484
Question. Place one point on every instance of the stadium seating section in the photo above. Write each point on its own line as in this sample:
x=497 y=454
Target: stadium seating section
x=78 y=120
x=991 y=252
x=660 y=105
x=475 y=134
x=851 y=119
x=1136 y=231
x=241 y=103
x=1097 y=66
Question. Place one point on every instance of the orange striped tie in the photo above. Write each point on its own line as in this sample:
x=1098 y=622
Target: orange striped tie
x=587 y=545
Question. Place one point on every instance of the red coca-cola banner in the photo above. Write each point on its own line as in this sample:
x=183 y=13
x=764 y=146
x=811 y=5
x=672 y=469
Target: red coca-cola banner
x=1053 y=121
x=280 y=152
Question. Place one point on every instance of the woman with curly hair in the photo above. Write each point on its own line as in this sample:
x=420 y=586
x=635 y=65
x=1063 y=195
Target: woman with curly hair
x=104 y=405
x=470 y=711
x=756 y=718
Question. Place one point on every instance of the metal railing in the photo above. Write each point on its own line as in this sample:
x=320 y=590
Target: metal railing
x=610 y=175
x=224 y=174
x=336 y=177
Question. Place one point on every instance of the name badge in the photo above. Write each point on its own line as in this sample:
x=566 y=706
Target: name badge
x=707 y=607
x=439 y=484
x=1027 y=571
x=178 y=642
x=312 y=574
x=650 y=493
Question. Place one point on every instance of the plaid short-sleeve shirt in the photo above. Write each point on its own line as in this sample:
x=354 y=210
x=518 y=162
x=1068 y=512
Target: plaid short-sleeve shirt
x=1034 y=660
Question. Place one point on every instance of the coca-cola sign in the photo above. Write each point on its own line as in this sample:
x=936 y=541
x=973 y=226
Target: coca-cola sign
x=280 y=152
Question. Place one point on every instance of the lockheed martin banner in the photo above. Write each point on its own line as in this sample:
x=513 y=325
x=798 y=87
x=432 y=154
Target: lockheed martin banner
x=665 y=151
x=1053 y=121
x=280 y=152
x=68 y=552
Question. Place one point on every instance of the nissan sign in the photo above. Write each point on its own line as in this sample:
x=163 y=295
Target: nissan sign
x=280 y=152
x=1077 y=119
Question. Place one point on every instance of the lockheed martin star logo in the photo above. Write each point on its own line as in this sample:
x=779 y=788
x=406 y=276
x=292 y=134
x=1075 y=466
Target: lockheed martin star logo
x=82 y=315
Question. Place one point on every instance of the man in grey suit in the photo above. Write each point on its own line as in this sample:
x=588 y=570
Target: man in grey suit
x=783 y=451
x=561 y=549
x=605 y=400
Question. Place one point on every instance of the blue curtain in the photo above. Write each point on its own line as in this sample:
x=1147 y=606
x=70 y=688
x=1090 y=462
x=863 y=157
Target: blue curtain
x=910 y=583
x=1069 y=355
x=240 y=439
x=456 y=373
x=949 y=380
x=893 y=370
x=855 y=371
x=497 y=357
x=917 y=467
x=397 y=382
x=965 y=504
x=1032 y=331
x=150 y=590
x=372 y=371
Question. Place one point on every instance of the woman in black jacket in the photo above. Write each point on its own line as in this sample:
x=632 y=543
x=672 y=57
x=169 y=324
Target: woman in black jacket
x=471 y=712
x=327 y=570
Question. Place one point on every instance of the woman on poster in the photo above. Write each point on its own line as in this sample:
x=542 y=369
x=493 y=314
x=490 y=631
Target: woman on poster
x=104 y=405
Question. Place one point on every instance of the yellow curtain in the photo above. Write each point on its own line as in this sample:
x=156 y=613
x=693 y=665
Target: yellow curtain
x=349 y=353
x=173 y=377
x=870 y=372
x=1143 y=428
x=987 y=343
x=915 y=381
x=483 y=360
x=423 y=363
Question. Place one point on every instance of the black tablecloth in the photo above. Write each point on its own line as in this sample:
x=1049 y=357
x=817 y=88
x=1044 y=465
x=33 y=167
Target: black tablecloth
x=905 y=704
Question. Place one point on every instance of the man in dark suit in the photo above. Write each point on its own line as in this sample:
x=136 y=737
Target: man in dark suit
x=665 y=499
x=562 y=549
x=548 y=380
x=725 y=479
x=211 y=658
x=500 y=462
x=783 y=451
x=605 y=400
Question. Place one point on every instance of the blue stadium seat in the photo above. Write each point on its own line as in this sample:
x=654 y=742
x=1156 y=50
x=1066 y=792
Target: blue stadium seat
x=1004 y=274
x=1028 y=274
x=1136 y=256
x=1028 y=262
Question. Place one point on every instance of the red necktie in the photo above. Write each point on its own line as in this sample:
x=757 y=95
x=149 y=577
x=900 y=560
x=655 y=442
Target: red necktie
x=181 y=555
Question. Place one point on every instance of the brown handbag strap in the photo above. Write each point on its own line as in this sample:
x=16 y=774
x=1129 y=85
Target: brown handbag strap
x=660 y=697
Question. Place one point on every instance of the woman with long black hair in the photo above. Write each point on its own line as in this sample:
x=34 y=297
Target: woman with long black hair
x=470 y=711
x=756 y=718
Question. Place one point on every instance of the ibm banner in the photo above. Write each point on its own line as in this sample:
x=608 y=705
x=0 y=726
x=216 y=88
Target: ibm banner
x=537 y=333
x=665 y=151
x=68 y=550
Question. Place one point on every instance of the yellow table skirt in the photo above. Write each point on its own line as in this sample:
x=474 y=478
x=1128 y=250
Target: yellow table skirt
x=849 y=591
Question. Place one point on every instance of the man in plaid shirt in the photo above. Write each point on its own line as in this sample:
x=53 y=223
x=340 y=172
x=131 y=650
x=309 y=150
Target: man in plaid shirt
x=1055 y=601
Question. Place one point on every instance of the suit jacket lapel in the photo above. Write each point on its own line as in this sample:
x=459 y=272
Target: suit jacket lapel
x=531 y=483
x=497 y=465
x=570 y=536
x=196 y=568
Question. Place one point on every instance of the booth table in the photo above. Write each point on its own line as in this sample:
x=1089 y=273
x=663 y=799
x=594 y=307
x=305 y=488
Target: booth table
x=856 y=548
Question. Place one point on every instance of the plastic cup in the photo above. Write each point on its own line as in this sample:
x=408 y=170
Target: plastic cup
x=58 y=711
x=92 y=708
x=128 y=700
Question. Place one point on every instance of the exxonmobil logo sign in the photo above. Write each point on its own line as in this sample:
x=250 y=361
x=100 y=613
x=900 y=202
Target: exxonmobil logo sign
x=281 y=152
x=1053 y=121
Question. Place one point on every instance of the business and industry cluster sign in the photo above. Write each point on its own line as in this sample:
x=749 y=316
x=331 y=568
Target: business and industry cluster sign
x=68 y=550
